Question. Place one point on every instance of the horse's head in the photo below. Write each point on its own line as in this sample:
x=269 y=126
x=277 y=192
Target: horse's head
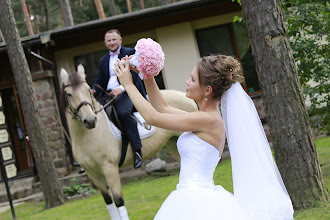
x=77 y=97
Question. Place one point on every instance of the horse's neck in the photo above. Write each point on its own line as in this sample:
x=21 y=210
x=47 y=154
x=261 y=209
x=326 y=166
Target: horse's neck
x=79 y=132
x=76 y=128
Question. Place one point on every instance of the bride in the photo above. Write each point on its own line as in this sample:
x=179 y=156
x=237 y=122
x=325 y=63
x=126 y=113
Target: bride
x=259 y=192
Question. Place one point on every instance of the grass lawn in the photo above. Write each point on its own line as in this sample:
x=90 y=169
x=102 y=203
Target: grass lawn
x=143 y=197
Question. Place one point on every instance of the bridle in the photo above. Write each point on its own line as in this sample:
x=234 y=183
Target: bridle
x=74 y=111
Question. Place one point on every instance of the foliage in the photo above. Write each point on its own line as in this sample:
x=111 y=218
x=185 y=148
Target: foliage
x=75 y=188
x=307 y=23
x=46 y=15
x=164 y=153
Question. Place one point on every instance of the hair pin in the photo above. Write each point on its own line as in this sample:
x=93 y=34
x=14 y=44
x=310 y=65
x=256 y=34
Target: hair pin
x=230 y=69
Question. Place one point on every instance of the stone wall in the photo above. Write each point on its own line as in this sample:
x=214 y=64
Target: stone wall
x=49 y=111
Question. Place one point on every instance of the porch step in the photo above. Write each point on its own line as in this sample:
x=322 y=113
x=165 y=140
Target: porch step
x=4 y=206
x=19 y=188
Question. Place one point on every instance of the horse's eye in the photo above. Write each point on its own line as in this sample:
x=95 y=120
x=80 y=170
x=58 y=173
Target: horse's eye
x=69 y=94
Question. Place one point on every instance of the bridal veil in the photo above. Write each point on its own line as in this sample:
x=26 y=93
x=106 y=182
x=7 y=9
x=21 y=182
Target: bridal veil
x=258 y=185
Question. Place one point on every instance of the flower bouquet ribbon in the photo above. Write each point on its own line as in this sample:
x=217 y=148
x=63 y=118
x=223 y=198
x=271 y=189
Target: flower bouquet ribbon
x=148 y=58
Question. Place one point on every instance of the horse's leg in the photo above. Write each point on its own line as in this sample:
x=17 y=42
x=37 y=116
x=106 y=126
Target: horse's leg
x=171 y=145
x=111 y=173
x=112 y=209
x=101 y=183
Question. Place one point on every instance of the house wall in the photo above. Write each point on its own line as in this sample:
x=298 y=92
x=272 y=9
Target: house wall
x=178 y=43
x=65 y=58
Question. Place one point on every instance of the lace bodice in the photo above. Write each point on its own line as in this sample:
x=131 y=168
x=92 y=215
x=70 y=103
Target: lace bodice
x=198 y=161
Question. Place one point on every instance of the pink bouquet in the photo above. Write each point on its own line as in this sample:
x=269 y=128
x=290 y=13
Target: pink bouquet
x=148 y=58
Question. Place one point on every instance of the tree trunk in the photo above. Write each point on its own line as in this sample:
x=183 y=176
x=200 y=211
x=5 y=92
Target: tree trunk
x=113 y=9
x=163 y=2
x=45 y=2
x=1 y=37
x=46 y=169
x=129 y=6
x=27 y=17
x=99 y=8
x=141 y=3
x=290 y=130
x=66 y=13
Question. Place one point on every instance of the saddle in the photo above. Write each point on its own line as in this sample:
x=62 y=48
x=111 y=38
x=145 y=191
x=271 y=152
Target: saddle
x=144 y=129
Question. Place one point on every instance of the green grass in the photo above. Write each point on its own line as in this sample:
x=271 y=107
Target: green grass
x=143 y=197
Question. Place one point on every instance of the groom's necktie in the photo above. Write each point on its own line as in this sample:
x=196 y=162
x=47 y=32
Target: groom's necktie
x=114 y=53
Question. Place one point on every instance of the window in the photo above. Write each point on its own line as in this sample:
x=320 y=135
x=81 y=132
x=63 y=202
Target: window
x=221 y=40
x=90 y=61
x=246 y=56
x=215 y=40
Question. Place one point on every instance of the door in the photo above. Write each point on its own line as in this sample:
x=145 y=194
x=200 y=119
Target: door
x=17 y=131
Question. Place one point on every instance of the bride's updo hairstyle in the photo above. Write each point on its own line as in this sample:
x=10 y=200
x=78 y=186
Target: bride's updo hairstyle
x=219 y=72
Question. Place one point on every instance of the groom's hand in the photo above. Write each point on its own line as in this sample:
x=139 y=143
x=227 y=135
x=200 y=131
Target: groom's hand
x=116 y=92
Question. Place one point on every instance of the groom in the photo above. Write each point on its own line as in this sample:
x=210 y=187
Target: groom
x=107 y=79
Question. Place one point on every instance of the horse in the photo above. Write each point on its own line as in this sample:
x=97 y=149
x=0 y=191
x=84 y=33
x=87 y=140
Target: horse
x=94 y=146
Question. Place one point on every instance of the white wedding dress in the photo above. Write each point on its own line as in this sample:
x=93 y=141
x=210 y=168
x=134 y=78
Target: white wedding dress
x=259 y=191
x=196 y=196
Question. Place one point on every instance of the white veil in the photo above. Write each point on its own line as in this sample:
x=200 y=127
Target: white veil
x=258 y=185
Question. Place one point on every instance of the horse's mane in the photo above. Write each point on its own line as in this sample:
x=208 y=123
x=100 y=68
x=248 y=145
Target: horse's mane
x=75 y=80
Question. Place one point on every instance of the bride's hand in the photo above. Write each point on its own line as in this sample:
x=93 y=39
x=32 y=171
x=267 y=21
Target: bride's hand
x=123 y=73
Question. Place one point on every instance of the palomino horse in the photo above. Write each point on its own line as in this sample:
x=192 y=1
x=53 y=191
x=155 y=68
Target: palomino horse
x=95 y=147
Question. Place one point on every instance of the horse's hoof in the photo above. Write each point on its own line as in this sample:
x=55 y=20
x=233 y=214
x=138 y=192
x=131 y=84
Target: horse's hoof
x=81 y=171
x=137 y=160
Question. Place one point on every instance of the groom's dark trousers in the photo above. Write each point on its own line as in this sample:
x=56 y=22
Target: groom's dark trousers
x=123 y=104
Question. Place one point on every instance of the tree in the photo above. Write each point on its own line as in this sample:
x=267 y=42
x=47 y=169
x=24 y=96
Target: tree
x=46 y=169
x=307 y=23
x=66 y=13
x=163 y=2
x=112 y=7
x=290 y=130
x=99 y=8
x=27 y=17
x=129 y=6
x=141 y=3
x=45 y=5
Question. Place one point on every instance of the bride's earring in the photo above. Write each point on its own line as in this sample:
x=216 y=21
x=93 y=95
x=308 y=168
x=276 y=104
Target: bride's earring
x=206 y=99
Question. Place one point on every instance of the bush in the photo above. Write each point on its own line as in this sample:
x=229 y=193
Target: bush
x=76 y=188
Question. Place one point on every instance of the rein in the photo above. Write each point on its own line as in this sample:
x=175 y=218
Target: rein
x=112 y=109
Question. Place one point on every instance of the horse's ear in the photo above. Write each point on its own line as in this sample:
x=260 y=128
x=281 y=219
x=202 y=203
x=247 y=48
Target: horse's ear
x=64 y=76
x=81 y=70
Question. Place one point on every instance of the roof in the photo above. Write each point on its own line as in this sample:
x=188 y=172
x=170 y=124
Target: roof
x=138 y=21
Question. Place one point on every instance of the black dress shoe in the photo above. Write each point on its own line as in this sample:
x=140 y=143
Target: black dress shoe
x=137 y=160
